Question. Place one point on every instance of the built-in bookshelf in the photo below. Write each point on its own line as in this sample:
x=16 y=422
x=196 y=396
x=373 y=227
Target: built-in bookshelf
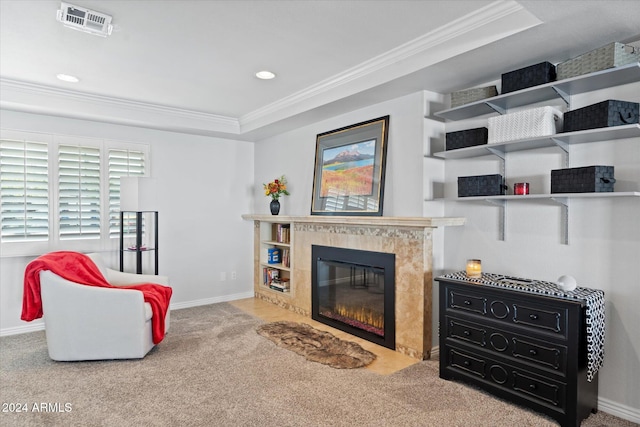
x=275 y=257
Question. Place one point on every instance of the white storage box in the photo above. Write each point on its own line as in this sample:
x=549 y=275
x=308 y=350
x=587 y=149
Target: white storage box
x=525 y=124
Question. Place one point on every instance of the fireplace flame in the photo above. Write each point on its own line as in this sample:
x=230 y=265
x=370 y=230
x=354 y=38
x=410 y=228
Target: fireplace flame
x=361 y=314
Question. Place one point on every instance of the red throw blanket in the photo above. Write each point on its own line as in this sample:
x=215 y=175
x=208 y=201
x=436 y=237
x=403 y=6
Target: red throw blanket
x=79 y=268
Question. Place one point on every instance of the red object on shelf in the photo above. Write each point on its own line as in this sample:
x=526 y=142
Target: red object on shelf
x=521 y=188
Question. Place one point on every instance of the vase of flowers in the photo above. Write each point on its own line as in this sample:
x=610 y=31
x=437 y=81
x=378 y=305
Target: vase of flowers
x=275 y=189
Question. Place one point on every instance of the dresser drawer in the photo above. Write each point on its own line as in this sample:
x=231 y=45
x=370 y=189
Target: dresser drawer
x=547 y=318
x=515 y=380
x=544 y=390
x=543 y=354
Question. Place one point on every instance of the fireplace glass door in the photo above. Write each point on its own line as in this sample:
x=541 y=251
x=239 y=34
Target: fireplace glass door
x=353 y=291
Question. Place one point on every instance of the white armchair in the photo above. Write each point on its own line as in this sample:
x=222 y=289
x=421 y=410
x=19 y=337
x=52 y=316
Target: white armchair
x=95 y=323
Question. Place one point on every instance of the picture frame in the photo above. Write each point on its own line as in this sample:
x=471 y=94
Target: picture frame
x=349 y=169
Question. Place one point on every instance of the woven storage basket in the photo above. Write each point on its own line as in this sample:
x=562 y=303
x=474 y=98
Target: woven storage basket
x=609 y=56
x=467 y=96
x=466 y=138
x=525 y=124
x=481 y=185
x=587 y=179
x=530 y=76
x=603 y=114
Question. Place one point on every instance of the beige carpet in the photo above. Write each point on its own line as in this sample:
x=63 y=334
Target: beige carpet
x=213 y=369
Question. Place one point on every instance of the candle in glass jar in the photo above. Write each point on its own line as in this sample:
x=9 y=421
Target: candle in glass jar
x=521 y=188
x=474 y=268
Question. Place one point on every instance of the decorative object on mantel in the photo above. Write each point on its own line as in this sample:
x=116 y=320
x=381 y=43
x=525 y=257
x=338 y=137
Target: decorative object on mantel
x=349 y=169
x=275 y=189
x=316 y=345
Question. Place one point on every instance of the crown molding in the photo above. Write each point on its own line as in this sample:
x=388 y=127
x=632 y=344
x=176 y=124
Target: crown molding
x=503 y=17
x=16 y=95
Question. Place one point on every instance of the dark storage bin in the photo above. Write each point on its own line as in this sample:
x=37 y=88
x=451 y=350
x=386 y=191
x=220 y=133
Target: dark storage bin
x=532 y=75
x=481 y=185
x=466 y=138
x=603 y=114
x=588 y=179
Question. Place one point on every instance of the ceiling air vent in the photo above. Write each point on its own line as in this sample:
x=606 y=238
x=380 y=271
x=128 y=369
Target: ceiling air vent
x=83 y=19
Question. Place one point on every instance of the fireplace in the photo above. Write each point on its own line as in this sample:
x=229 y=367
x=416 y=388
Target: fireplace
x=354 y=291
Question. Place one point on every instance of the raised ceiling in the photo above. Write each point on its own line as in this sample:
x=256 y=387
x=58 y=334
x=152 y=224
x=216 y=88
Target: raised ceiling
x=189 y=66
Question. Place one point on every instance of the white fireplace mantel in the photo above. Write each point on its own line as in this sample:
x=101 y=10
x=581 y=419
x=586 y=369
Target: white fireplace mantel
x=396 y=221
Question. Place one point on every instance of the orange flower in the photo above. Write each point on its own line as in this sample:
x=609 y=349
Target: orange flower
x=276 y=188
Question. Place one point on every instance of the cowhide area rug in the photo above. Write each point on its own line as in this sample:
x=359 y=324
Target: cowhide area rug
x=316 y=345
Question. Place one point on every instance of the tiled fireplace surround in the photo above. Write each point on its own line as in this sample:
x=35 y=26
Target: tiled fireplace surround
x=410 y=239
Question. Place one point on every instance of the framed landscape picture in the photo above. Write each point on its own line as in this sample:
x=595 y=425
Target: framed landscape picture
x=349 y=169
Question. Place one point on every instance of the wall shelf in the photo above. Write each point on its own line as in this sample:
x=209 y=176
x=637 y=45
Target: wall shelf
x=563 y=90
x=561 y=199
x=557 y=140
x=552 y=197
x=559 y=89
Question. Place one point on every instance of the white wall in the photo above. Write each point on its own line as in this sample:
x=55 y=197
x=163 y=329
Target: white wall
x=206 y=184
x=293 y=154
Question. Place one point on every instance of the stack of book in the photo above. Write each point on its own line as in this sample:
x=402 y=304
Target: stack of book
x=269 y=275
x=285 y=258
x=281 y=285
x=283 y=233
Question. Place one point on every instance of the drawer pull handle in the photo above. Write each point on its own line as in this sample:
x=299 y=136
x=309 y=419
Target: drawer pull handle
x=533 y=352
x=532 y=386
x=533 y=316
x=466 y=333
x=467 y=363
x=467 y=302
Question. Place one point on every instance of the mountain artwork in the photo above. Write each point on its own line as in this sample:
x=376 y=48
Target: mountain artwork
x=348 y=170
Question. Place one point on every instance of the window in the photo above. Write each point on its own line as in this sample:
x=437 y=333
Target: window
x=60 y=191
x=24 y=191
x=78 y=192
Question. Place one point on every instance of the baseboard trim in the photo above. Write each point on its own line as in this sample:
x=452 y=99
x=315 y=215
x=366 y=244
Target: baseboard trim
x=177 y=306
x=435 y=352
x=621 y=411
x=214 y=300
x=17 y=330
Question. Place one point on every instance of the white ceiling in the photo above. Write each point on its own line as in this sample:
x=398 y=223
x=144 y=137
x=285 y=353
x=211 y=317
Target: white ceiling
x=189 y=65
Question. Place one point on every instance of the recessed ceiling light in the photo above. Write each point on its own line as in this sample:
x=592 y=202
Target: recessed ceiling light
x=265 y=75
x=67 y=78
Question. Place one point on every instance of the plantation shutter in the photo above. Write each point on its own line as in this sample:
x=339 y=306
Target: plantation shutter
x=121 y=163
x=79 y=192
x=24 y=191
